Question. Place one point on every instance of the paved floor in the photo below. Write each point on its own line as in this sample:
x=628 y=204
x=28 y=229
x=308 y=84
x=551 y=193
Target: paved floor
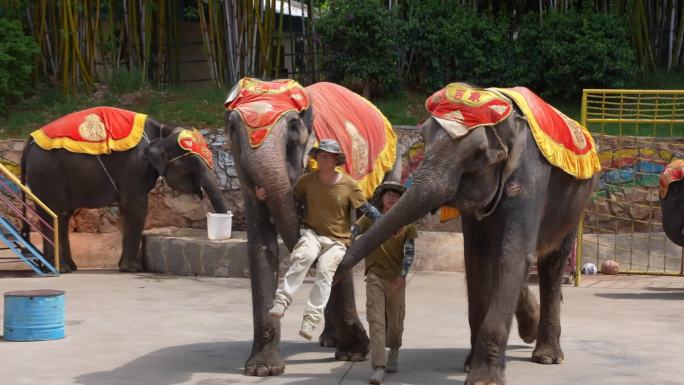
x=135 y=329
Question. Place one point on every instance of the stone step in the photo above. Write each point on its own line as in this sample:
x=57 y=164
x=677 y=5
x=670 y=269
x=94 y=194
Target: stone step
x=184 y=251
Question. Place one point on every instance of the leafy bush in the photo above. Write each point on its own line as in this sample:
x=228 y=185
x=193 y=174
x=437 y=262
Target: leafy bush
x=124 y=80
x=569 y=52
x=448 y=42
x=17 y=52
x=359 y=46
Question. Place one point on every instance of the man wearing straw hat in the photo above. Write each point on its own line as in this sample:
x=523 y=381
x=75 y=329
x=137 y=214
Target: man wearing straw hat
x=329 y=197
x=386 y=270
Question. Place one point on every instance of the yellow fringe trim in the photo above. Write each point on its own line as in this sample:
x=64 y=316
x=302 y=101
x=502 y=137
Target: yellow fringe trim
x=94 y=148
x=580 y=166
x=385 y=159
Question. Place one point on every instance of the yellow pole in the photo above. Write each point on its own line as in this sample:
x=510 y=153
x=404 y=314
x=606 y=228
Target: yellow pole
x=34 y=198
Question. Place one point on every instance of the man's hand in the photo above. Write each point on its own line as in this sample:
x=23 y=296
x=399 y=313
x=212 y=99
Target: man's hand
x=398 y=283
x=260 y=193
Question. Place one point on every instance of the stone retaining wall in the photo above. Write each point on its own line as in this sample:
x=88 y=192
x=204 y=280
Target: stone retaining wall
x=171 y=208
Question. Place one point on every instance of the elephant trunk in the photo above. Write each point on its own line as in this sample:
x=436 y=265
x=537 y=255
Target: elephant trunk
x=424 y=195
x=270 y=172
x=210 y=186
x=673 y=220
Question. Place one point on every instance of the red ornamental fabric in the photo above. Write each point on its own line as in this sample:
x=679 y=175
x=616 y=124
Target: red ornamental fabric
x=468 y=106
x=353 y=121
x=194 y=142
x=672 y=173
x=94 y=131
x=260 y=104
x=556 y=125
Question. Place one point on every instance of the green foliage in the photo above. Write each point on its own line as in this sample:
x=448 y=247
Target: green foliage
x=17 y=53
x=125 y=80
x=569 y=52
x=358 y=38
x=447 y=42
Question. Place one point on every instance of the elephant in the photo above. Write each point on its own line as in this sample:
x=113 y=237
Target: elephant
x=517 y=208
x=66 y=180
x=671 y=193
x=274 y=161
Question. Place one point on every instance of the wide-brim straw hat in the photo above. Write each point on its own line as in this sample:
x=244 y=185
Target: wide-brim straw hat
x=376 y=199
x=330 y=146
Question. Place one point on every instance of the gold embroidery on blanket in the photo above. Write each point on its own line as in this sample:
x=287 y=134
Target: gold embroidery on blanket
x=92 y=129
x=359 y=149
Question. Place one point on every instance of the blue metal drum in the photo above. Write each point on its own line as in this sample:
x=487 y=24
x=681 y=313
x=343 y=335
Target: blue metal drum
x=34 y=315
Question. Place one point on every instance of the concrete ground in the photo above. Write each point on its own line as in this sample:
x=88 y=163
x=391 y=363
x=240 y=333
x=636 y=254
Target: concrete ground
x=135 y=329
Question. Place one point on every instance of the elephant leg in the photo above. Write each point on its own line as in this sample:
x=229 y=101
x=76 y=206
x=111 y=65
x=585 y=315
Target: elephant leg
x=328 y=337
x=527 y=315
x=64 y=245
x=475 y=266
x=548 y=349
x=352 y=339
x=262 y=247
x=133 y=213
x=507 y=269
x=49 y=238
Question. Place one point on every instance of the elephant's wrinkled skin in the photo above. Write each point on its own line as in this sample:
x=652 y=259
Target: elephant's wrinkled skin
x=528 y=211
x=275 y=165
x=672 y=207
x=66 y=181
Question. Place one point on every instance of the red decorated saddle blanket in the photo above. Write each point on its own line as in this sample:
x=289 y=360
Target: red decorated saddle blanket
x=94 y=131
x=364 y=133
x=459 y=108
x=672 y=173
x=194 y=143
x=562 y=141
x=260 y=104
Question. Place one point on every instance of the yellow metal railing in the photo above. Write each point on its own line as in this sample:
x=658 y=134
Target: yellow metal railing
x=636 y=134
x=55 y=222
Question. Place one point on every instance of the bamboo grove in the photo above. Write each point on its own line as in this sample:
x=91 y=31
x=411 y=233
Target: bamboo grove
x=82 y=41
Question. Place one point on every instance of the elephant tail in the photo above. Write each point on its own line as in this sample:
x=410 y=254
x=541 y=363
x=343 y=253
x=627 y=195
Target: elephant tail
x=25 y=230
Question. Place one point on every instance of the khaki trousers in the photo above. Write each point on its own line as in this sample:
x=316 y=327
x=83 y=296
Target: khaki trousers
x=385 y=310
x=309 y=247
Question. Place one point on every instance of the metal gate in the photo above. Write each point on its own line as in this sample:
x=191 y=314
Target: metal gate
x=637 y=133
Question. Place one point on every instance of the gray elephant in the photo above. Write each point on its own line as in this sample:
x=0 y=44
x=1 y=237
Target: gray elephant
x=272 y=126
x=520 y=201
x=671 y=203
x=96 y=157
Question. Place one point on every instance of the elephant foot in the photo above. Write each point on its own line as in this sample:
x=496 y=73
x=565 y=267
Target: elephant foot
x=63 y=269
x=485 y=376
x=548 y=354
x=467 y=362
x=527 y=316
x=528 y=327
x=350 y=356
x=327 y=339
x=130 y=267
x=264 y=364
x=352 y=344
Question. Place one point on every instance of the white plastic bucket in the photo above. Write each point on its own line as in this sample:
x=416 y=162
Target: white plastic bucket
x=219 y=226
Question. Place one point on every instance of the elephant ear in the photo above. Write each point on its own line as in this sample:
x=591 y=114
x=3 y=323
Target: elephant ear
x=307 y=118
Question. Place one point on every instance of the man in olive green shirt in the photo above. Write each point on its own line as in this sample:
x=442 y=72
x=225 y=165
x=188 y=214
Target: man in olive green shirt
x=386 y=270
x=329 y=197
